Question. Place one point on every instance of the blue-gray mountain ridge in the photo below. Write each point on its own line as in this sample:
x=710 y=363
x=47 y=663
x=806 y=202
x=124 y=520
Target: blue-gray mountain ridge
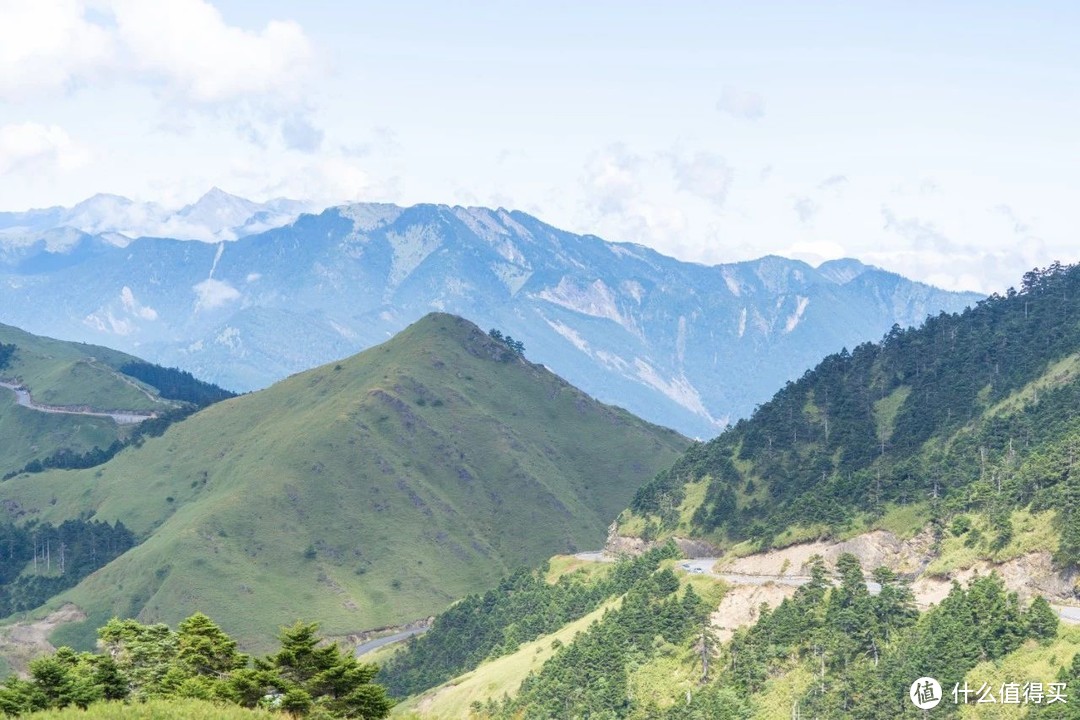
x=682 y=344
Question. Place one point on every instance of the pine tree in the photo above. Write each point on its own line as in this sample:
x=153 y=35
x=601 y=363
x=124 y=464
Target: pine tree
x=1040 y=620
x=313 y=674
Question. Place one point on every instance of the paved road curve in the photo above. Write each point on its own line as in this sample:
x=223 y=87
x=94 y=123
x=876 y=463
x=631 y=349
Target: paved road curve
x=379 y=642
x=22 y=396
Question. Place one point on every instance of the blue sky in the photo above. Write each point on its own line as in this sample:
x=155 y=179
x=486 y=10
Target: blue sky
x=935 y=139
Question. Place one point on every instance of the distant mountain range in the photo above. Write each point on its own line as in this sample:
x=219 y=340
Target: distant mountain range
x=216 y=216
x=682 y=344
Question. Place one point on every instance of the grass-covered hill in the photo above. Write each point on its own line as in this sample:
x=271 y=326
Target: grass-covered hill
x=970 y=414
x=80 y=376
x=362 y=493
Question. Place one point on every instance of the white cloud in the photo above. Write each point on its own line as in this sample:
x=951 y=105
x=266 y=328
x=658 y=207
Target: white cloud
x=188 y=45
x=742 y=104
x=1019 y=226
x=611 y=179
x=183 y=49
x=214 y=293
x=323 y=180
x=834 y=182
x=704 y=174
x=32 y=145
x=300 y=134
x=920 y=234
x=48 y=44
x=806 y=208
x=618 y=193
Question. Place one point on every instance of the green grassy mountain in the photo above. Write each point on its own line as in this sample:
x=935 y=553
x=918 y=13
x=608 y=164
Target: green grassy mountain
x=361 y=493
x=79 y=377
x=83 y=401
x=58 y=372
x=61 y=373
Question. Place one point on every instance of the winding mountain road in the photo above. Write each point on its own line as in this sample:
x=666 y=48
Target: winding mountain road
x=379 y=642
x=23 y=397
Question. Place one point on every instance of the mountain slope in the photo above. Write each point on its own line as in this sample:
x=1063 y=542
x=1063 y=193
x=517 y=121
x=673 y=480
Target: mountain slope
x=362 y=493
x=682 y=344
x=66 y=373
x=71 y=375
x=971 y=413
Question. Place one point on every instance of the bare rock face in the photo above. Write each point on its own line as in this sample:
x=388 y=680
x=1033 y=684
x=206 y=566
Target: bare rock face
x=1037 y=572
x=882 y=548
x=1028 y=575
x=873 y=549
x=617 y=544
x=693 y=548
x=23 y=641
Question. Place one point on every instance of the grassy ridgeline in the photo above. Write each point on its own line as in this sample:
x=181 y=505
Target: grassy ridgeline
x=58 y=372
x=78 y=375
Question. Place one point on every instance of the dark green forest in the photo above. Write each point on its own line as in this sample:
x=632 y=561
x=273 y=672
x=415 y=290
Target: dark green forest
x=918 y=417
x=176 y=384
x=38 y=560
x=137 y=662
x=589 y=677
x=861 y=650
x=522 y=608
x=6 y=353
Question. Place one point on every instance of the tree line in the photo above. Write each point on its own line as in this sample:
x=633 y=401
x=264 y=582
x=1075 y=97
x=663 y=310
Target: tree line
x=590 y=676
x=859 y=652
x=40 y=560
x=306 y=677
x=68 y=459
x=6 y=353
x=864 y=651
x=523 y=607
x=516 y=346
x=175 y=384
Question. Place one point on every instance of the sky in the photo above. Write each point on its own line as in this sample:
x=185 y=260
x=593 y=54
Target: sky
x=937 y=140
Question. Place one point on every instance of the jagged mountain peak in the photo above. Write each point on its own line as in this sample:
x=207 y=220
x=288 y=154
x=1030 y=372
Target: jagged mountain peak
x=100 y=199
x=221 y=207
